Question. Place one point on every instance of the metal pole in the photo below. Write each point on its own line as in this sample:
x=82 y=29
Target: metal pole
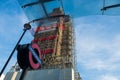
x=12 y=53
x=61 y=2
x=103 y=7
x=23 y=74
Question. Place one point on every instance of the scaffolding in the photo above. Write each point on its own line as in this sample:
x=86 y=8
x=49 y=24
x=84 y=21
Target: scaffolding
x=56 y=40
x=54 y=36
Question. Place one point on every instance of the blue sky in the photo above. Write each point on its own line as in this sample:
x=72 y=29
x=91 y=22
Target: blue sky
x=97 y=39
x=98 y=46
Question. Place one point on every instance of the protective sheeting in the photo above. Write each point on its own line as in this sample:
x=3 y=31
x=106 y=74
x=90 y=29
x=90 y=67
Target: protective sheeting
x=75 y=8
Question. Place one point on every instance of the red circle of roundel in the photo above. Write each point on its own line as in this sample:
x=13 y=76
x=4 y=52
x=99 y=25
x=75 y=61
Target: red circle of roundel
x=33 y=64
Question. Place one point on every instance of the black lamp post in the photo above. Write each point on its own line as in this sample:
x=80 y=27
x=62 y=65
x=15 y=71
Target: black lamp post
x=26 y=27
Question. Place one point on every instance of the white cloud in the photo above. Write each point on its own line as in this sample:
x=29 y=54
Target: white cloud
x=11 y=25
x=10 y=30
x=108 y=77
x=98 y=53
x=97 y=47
x=2 y=77
x=23 y=18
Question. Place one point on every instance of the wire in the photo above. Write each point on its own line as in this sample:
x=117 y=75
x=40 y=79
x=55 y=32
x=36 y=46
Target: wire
x=61 y=2
x=103 y=6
